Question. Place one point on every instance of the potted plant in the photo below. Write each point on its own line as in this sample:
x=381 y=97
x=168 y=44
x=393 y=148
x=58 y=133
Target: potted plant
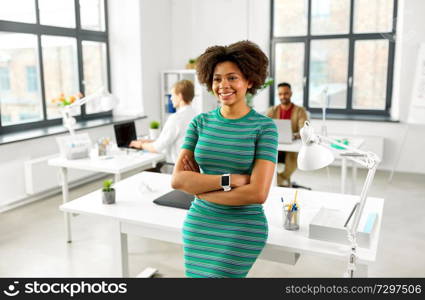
x=250 y=97
x=191 y=64
x=154 y=130
x=108 y=192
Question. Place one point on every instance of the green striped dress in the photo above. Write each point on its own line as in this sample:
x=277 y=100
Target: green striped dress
x=221 y=240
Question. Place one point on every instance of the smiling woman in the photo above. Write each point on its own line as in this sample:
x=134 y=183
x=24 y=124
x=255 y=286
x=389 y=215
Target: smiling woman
x=227 y=161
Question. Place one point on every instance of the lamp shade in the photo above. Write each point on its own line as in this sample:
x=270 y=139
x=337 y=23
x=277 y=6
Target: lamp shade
x=99 y=101
x=108 y=102
x=313 y=157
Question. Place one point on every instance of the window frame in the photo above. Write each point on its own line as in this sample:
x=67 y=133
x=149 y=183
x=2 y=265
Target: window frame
x=352 y=38
x=80 y=35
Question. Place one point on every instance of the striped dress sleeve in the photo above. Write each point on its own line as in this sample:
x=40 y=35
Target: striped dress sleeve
x=192 y=135
x=267 y=142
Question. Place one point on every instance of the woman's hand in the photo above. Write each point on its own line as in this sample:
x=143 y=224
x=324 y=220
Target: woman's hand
x=189 y=164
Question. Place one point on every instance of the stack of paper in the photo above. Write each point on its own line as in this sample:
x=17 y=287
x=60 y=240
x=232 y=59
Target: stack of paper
x=329 y=225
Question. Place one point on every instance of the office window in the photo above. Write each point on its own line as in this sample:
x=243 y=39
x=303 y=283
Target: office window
x=373 y=16
x=18 y=11
x=330 y=17
x=289 y=64
x=92 y=16
x=370 y=73
x=328 y=69
x=64 y=51
x=57 y=13
x=344 y=47
x=290 y=17
x=32 y=79
x=18 y=103
x=95 y=72
x=4 y=79
x=60 y=66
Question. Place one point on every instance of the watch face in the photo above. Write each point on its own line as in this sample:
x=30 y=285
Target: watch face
x=224 y=180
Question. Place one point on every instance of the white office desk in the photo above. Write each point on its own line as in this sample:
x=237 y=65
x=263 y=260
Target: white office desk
x=116 y=165
x=295 y=146
x=135 y=213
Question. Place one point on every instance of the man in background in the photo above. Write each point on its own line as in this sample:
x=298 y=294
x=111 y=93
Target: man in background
x=287 y=110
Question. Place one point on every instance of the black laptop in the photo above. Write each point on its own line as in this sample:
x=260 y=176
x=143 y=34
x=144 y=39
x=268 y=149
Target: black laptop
x=176 y=199
x=125 y=133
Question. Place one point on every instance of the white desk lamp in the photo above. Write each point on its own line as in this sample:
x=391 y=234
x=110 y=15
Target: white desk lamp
x=78 y=146
x=105 y=100
x=315 y=153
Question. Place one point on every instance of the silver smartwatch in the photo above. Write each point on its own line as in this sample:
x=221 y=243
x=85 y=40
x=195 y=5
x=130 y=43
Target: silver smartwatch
x=225 y=182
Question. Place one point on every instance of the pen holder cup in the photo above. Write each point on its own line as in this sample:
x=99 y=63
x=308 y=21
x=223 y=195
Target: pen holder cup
x=291 y=219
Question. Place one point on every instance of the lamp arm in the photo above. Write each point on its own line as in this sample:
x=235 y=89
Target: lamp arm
x=370 y=161
x=363 y=198
x=352 y=231
x=364 y=158
x=68 y=120
x=84 y=100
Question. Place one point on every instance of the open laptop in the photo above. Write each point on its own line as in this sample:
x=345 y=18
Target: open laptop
x=125 y=133
x=284 y=130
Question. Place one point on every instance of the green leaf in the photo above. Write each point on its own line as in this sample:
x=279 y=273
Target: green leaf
x=107 y=185
x=250 y=97
x=154 y=125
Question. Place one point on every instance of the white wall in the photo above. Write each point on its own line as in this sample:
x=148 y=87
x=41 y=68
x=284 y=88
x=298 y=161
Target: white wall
x=125 y=46
x=411 y=29
x=156 y=51
x=140 y=42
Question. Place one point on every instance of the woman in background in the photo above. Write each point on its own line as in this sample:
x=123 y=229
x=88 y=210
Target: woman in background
x=172 y=135
x=227 y=161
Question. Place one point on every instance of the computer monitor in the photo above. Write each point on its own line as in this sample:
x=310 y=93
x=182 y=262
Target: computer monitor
x=284 y=131
x=125 y=133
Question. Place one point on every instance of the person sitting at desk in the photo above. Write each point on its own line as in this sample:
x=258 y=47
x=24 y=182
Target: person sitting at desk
x=289 y=111
x=171 y=138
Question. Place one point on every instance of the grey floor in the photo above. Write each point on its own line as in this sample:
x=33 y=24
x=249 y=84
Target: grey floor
x=32 y=237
